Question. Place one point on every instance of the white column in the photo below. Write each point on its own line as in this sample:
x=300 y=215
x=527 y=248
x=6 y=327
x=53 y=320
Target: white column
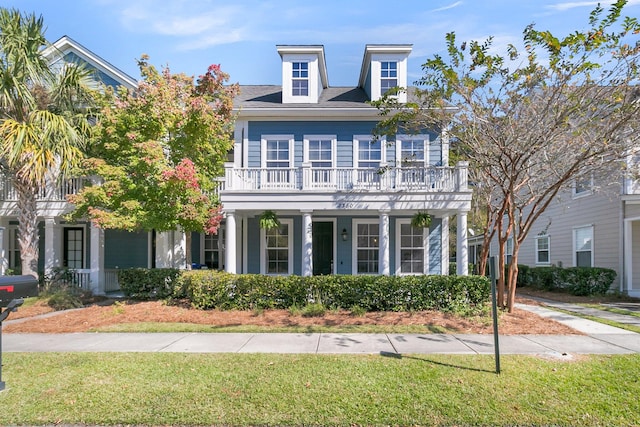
x=628 y=255
x=97 y=260
x=179 y=250
x=462 y=246
x=384 y=266
x=50 y=244
x=230 y=252
x=307 y=244
x=444 y=242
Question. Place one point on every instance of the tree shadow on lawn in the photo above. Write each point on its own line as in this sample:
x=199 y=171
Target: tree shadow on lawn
x=434 y=362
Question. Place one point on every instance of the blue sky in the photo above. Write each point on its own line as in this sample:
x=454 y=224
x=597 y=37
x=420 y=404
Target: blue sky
x=242 y=35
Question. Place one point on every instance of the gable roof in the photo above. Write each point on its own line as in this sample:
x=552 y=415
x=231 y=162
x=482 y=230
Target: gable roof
x=69 y=50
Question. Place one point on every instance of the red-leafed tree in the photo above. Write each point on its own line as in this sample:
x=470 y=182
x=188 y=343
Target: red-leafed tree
x=158 y=153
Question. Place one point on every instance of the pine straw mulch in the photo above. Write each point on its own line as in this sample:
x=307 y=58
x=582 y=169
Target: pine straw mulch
x=108 y=312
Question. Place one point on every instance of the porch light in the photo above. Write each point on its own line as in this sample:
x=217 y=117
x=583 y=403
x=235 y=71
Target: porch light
x=345 y=235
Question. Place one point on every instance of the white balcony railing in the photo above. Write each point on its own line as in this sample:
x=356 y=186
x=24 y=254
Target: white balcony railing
x=429 y=179
x=56 y=193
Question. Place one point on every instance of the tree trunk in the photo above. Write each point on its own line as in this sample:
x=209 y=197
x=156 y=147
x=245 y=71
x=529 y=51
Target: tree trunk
x=28 y=236
x=512 y=279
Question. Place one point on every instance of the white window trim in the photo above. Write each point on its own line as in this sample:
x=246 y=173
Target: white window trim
x=293 y=79
x=354 y=244
x=332 y=138
x=357 y=139
x=573 y=244
x=85 y=261
x=508 y=252
x=263 y=148
x=544 y=236
x=425 y=246
x=263 y=248
x=400 y=138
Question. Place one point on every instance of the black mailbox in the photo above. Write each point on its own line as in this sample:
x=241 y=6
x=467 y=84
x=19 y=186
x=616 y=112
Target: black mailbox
x=13 y=287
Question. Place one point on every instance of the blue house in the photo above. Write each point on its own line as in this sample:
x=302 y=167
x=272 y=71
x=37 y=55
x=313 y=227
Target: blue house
x=303 y=150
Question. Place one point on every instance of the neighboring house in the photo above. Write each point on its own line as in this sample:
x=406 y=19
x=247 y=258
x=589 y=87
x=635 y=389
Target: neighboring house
x=589 y=227
x=303 y=150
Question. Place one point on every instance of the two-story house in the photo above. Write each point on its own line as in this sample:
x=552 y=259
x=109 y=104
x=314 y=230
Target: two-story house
x=303 y=150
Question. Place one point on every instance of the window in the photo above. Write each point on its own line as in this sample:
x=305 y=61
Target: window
x=583 y=187
x=73 y=251
x=412 y=152
x=412 y=249
x=277 y=152
x=15 y=262
x=583 y=246
x=388 y=76
x=542 y=250
x=300 y=82
x=508 y=253
x=278 y=249
x=319 y=153
x=366 y=247
x=213 y=250
x=369 y=153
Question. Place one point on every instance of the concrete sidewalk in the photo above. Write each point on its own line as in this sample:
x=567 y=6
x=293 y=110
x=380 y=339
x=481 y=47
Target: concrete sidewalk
x=599 y=339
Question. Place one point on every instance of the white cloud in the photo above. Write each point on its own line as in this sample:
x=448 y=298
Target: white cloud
x=451 y=6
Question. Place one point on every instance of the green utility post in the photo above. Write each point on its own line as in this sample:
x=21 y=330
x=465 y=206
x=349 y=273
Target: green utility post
x=494 y=274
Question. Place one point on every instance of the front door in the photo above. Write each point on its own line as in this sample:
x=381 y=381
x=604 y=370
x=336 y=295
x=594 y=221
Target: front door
x=322 y=248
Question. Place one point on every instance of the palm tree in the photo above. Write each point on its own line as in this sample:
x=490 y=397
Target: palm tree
x=43 y=121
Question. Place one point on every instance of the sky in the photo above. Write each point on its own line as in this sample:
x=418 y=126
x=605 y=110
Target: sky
x=241 y=35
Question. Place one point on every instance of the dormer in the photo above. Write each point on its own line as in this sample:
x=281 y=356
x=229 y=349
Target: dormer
x=384 y=66
x=304 y=73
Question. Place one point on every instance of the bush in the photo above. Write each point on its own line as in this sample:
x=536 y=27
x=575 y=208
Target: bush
x=144 y=283
x=574 y=280
x=209 y=289
x=64 y=300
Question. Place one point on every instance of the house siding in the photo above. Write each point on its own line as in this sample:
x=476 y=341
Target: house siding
x=125 y=249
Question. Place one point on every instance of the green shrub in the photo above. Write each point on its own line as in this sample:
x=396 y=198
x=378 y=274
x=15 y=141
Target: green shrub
x=207 y=289
x=314 y=309
x=574 y=280
x=154 y=283
x=64 y=300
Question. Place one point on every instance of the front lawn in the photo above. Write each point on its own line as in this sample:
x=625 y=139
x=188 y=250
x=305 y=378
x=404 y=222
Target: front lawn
x=260 y=389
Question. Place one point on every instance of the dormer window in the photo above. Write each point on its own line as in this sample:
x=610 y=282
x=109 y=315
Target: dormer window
x=300 y=82
x=388 y=76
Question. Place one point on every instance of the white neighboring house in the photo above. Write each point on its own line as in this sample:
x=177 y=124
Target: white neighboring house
x=304 y=150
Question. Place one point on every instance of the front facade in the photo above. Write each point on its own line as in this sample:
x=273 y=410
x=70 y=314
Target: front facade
x=303 y=150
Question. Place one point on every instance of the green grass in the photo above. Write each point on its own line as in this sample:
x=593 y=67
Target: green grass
x=191 y=327
x=259 y=389
x=612 y=309
x=626 y=326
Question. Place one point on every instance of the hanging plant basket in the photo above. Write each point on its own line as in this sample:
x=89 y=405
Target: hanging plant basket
x=421 y=220
x=269 y=220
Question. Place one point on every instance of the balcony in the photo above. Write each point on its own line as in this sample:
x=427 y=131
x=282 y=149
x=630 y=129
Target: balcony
x=57 y=193
x=330 y=180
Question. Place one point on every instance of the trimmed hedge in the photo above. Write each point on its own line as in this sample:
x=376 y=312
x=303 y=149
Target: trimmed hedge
x=210 y=289
x=207 y=289
x=145 y=283
x=574 y=280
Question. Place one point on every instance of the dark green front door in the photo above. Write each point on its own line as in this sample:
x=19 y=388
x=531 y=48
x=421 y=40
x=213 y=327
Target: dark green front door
x=322 y=248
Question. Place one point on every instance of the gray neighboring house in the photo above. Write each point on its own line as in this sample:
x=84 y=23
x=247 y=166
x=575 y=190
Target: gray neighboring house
x=587 y=226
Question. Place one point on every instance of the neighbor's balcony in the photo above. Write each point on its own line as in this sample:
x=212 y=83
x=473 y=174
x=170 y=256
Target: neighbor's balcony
x=419 y=180
x=53 y=193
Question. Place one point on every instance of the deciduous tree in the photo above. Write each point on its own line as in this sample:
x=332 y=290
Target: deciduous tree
x=158 y=154
x=532 y=121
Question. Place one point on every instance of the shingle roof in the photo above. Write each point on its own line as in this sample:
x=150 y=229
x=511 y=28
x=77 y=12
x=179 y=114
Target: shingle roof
x=270 y=96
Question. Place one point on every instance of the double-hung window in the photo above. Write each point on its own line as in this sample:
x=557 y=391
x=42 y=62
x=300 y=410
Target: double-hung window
x=388 y=76
x=583 y=246
x=369 y=158
x=213 y=250
x=412 y=248
x=300 y=79
x=367 y=247
x=412 y=160
x=15 y=260
x=542 y=250
x=277 y=153
x=319 y=154
x=277 y=253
